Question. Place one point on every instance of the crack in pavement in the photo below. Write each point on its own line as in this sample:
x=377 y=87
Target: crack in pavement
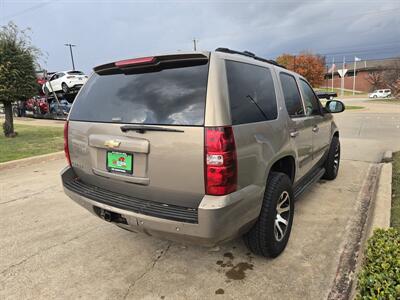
x=30 y=195
x=45 y=249
x=357 y=160
x=147 y=270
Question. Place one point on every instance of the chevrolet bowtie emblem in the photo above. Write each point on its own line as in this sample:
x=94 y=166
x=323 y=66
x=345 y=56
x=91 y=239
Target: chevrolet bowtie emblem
x=112 y=144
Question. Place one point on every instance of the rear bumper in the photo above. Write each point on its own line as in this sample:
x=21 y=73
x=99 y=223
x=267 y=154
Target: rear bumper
x=75 y=86
x=219 y=218
x=75 y=83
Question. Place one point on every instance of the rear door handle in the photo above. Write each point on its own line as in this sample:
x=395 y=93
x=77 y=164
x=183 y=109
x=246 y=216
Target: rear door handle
x=315 y=128
x=294 y=133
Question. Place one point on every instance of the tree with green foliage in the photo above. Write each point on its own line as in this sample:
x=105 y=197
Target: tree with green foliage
x=17 y=70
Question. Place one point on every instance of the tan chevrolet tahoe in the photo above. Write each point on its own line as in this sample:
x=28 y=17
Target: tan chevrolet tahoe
x=199 y=147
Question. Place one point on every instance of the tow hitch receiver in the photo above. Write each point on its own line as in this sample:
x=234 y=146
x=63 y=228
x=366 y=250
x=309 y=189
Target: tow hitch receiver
x=109 y=216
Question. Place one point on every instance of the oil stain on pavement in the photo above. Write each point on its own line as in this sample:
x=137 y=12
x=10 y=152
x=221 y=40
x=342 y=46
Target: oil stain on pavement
x=235 y=271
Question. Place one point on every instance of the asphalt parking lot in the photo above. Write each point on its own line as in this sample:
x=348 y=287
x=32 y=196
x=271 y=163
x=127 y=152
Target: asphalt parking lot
x=369 y=132
x=52 y=248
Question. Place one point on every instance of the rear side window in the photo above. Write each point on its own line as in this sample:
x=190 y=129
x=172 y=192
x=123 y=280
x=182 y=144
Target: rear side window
x=251 y=93
x=291 y=94
x=167 y=97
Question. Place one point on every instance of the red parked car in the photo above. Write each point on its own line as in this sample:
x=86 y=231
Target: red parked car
x=37 y=105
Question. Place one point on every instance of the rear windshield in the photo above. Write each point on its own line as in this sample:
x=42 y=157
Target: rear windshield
x=168 y=97
x=75 y=73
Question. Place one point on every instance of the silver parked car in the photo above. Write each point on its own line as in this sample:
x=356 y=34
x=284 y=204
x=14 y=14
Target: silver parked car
x=380 y=94
x=199 y=147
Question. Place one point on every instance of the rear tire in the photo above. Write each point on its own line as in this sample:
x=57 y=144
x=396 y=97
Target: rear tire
x=65 y=88
x=265 y=238
x=332 y=162
x=36 y=110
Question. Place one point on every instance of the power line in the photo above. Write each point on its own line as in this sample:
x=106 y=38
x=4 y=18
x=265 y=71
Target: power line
x=361 y=51
x=29 y=9
x=356 y=48
x=353 y=52
x=335 y=19
x=369 y=59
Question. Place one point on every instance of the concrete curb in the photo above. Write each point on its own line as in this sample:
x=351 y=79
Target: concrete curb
x=380 y=217
x=387 y=156
x=31 y=160
x=356 y=110
x=357 y=228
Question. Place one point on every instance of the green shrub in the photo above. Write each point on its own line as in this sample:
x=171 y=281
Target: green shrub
x=379 y=277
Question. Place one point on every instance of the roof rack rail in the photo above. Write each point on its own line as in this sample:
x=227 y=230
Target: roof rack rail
x=249 y=54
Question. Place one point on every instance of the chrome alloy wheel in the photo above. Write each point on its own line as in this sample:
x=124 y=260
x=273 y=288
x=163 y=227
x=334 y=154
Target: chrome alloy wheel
x=336 y=158
x=282 y=216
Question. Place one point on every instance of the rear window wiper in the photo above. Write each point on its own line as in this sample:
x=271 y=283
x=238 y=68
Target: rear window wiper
x=142 y=129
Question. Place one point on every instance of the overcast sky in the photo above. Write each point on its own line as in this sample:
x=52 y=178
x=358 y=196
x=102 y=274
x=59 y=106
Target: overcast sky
x=106 y=31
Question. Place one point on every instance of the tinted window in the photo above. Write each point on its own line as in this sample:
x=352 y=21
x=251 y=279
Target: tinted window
x=310 y=101
x=170 y=96
x=291 y=94
x=251 y=93
x=75 y=73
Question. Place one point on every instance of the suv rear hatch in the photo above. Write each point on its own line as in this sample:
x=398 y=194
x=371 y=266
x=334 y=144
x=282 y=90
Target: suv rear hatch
x=137 y=129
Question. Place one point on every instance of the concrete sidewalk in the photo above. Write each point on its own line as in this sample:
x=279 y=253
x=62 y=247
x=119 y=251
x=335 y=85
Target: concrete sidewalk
x=52 y=248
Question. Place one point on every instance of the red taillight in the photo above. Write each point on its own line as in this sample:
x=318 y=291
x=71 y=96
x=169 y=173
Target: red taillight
x=66 y=147
x=220 y=161
x=135 y=61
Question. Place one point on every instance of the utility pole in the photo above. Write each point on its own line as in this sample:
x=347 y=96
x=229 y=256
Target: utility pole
x=342 y=82
x=326 y=76
x=333 y=70
x=72 y=56
x=354 y=74
x=194 y=44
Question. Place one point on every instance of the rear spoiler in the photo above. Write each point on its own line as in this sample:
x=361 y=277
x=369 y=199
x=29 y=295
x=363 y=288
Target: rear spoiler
x=325 y=95
x=151 y=64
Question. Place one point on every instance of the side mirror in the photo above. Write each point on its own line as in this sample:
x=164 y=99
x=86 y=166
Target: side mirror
x=334 y=106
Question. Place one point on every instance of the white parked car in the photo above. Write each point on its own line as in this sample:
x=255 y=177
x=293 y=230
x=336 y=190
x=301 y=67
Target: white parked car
x=380 y=94
x=65 y=81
